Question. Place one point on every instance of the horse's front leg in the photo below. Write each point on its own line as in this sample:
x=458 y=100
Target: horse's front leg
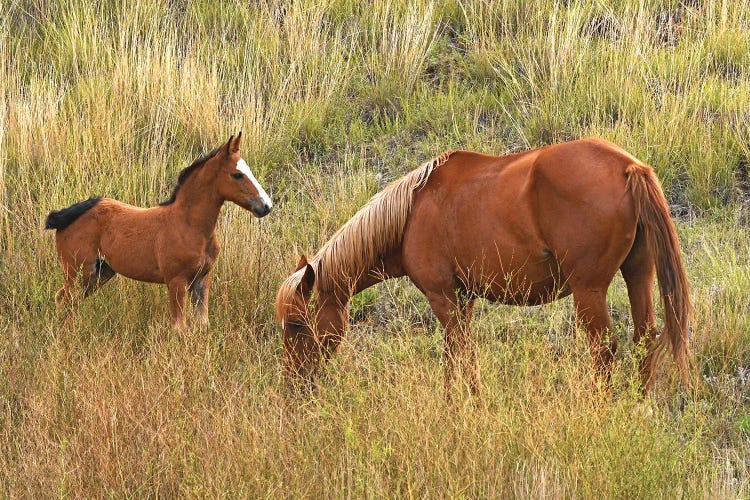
x=454 y=313
x=199 y=298
x=177 y=291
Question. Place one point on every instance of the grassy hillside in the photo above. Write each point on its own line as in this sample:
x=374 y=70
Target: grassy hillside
x=335 y=98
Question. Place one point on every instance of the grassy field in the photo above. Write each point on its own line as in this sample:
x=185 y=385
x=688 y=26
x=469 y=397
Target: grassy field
x=335 y=98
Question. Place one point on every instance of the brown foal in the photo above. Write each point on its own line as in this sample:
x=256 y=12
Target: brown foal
x=173 y=243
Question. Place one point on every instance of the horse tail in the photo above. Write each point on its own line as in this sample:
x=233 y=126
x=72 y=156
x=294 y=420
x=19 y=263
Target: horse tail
x=60 y=219
x=661 y=238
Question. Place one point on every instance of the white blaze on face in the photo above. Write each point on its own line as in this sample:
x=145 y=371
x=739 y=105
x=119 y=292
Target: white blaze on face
x=242 y=167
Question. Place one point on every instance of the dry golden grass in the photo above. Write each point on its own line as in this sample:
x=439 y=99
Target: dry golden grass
x=336 y=98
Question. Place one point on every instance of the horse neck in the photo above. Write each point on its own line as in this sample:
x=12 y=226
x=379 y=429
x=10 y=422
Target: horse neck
x=383 y=269
x=200 y=201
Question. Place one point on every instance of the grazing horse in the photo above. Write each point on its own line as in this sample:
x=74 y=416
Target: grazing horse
x=521 y=229
x=173 y=243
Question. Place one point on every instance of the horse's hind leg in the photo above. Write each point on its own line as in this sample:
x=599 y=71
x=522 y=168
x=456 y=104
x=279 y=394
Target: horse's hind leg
x=93 y=275
x=593 y=315
x=67 y=297
x=590 y=261
x=638 y=270
x=64 y=295
x=99 y=273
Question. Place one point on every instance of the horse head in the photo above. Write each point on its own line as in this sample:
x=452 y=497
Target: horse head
x=235 y=181
x=312 y=321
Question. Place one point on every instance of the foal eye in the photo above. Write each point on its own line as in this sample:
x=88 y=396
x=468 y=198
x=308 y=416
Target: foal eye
x=238 y=175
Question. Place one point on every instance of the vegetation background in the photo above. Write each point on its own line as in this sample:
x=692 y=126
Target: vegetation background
x=335 y=98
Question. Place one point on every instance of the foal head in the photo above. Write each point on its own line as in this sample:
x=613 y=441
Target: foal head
x=312 y=321
x=235 y=182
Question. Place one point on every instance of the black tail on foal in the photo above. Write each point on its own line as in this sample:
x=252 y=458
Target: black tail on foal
x=60 y=219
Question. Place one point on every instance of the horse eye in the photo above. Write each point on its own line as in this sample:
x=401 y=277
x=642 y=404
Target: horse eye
x=238 y=175
x=296 y=327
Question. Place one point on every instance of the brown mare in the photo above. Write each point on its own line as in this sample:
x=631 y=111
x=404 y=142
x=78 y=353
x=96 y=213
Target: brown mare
x=522 y=229
x=173 y=243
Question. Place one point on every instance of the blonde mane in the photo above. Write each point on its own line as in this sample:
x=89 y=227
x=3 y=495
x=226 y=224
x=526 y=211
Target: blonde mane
x=373 y=231
x=369 y=235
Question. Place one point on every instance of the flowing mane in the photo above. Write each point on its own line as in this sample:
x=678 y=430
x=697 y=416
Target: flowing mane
x=185 y=173
x=369 y=235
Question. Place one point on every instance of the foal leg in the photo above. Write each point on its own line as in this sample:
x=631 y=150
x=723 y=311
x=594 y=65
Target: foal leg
x=199 y=298
x=638 y=271
x=98 y=275
x=93 y=275
x=454 y=313
x=177 y=288
x=64 y=296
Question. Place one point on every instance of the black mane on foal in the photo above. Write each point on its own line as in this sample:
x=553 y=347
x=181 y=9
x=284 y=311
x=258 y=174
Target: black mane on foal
x=186 y=172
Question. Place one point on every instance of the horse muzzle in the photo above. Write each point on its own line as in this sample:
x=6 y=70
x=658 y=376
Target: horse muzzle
x=260 y=207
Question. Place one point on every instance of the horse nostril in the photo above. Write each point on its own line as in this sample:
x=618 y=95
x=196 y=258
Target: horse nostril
x=263 y=210
x=260 y=207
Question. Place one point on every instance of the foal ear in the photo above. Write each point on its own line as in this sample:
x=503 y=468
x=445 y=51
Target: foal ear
x=235 y=147
x=307 y=281
x=229 y=144
x=302 y=263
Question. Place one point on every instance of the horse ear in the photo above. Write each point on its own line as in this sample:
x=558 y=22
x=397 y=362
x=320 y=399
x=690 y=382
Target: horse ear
x=236 y=146
x=307 y=281
x=229 y=144
x=302 y=262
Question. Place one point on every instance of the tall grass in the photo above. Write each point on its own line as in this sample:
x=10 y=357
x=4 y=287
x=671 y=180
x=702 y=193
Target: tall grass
x=336 y=98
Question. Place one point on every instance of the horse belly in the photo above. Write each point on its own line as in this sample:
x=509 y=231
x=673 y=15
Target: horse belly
x=526 y=284
x=134 y=266
x=496 y=245
x=131 y=252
